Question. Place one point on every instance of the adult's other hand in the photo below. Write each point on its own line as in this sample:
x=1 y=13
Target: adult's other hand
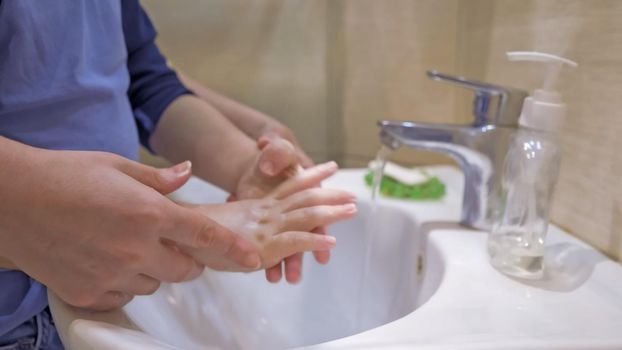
x=97 y=230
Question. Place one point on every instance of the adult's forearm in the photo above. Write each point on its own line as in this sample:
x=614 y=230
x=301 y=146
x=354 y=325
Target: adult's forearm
x=16 y=159
x=251 y=121
x=191 y=128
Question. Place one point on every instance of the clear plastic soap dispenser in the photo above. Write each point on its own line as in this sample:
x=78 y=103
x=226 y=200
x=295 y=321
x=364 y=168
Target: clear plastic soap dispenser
x=516 y=242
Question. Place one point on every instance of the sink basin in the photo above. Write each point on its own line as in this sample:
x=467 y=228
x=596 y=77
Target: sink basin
x=243 y=311
x=380 y=271
x=429 y=286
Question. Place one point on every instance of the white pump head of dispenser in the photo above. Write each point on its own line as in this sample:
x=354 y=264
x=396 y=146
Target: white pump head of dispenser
x=544 y=110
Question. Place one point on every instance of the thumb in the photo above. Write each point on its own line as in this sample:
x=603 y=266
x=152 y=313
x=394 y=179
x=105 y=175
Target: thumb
x=108 y=301
x=277 y=155
x=204 y=236
x=303 y=158
x=164 y=180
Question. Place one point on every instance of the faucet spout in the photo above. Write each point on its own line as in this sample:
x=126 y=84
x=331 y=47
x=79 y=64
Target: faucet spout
x=479 y=150
x=428 y=136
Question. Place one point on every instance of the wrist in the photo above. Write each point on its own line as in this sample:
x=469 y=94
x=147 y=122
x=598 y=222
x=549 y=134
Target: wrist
x=273 y=127
x=244 y=167
x=19 y=162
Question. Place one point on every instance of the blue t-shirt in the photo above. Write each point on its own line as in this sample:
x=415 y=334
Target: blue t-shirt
x=76 y=75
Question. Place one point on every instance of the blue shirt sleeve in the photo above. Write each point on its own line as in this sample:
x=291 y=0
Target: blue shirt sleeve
x=153 y=84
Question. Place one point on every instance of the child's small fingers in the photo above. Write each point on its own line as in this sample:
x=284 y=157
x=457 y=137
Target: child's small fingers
x=321 y=256
x=274 y=273
x=292 y=242
x=317 y=196
x=293 y=268
x=320 y=230
x=306 y=219
x=305 y=179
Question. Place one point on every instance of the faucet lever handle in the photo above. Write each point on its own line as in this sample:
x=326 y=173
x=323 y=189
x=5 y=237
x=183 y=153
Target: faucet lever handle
x=493 y=104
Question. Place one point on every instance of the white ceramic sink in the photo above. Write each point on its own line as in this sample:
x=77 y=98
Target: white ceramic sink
x=426 y=287
x=243 y=311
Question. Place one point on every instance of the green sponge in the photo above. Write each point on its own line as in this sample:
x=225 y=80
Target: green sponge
x=433 y=189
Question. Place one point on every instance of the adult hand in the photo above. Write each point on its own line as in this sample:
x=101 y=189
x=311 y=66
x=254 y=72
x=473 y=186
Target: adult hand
x=279 y=224
x=96 y=229
x=252 y=122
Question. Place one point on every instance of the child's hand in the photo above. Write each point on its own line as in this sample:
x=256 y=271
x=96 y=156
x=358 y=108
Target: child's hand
x=280 y=223
x=275 y=163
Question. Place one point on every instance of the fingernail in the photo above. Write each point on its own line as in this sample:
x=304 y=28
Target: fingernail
x=350 y=208
x=267 y=168
x=352 y=199
x=329 y=165
x=327 y=242
x=182 y=169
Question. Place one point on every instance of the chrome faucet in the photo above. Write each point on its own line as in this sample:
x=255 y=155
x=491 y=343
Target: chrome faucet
x=479 y=148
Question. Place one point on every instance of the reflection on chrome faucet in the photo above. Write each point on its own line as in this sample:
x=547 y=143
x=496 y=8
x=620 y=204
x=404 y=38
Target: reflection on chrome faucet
x=479 y=148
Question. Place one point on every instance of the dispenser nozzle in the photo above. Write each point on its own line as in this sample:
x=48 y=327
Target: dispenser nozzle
x=554 y=65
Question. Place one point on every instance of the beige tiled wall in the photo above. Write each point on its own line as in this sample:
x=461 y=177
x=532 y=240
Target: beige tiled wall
x=331 y=68
x=383 y=52
x=270 y=54
x=589 y=192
